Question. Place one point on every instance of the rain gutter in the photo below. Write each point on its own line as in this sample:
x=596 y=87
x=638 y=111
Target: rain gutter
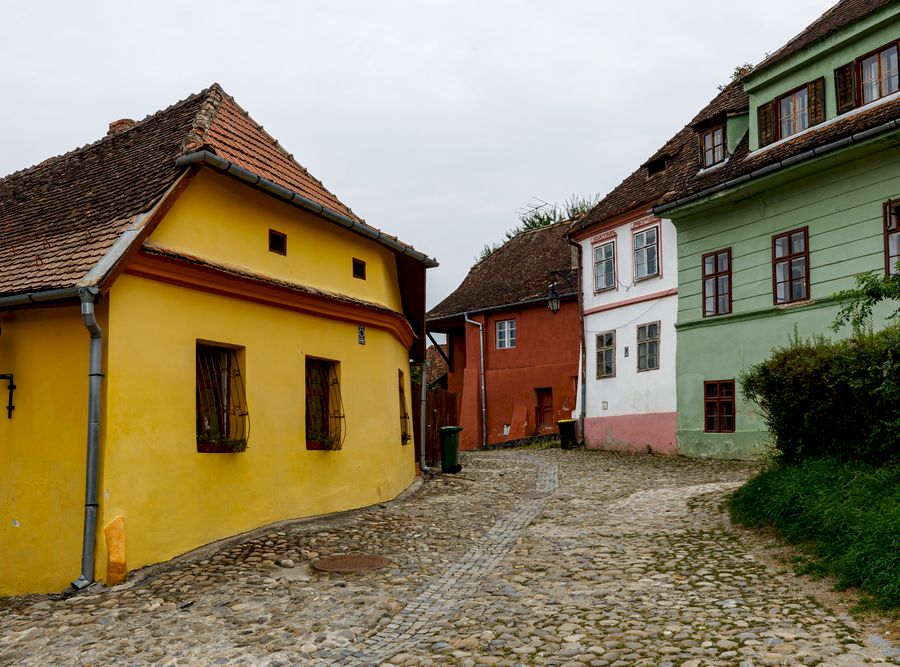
x=583 y=413
x=281 y=192
x=505 y=306
x=781 y=164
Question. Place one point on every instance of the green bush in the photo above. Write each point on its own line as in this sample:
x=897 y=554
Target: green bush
x=847 y=515
x=832 y=399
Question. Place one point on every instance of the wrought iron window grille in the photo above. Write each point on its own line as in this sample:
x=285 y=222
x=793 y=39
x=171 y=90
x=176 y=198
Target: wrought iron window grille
x=325 y=420
x=223 y=420
x=11 y=388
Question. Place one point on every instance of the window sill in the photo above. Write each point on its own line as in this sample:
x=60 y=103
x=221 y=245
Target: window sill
x=794 y=304
x=231 y=447
x=650 y=277
x=647 y=370
x=602 y=290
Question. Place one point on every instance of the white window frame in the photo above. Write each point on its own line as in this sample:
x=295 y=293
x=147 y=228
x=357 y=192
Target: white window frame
x=602 y=261
x=645 y=251
x=505 y=334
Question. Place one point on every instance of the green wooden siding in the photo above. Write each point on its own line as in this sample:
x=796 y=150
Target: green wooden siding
x=842 y=207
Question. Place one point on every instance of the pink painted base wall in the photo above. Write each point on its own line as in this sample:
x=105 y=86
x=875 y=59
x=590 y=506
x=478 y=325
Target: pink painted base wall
x=632 y=433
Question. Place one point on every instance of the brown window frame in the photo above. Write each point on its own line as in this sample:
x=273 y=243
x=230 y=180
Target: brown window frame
x=891 y=215
x=711 y=131
x=603 y=348
x=776 y=116
x=790 y=258
x=323 y=389
x=718 y=400
x=857 y=66
x=277 y=242
x=646 y=342
x=222 y=418
x=714 y=276
x=405 y=435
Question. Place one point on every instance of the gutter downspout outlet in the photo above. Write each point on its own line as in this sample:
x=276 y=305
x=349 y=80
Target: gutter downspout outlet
x=95 y=375
x=483 y=395
x=423 y=414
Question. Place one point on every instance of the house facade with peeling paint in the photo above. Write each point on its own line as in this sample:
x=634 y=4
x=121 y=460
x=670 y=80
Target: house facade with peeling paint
x=512 y=361
x=200 y=334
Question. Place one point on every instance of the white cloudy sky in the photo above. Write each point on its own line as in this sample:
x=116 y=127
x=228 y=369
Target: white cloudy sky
x=435 y=120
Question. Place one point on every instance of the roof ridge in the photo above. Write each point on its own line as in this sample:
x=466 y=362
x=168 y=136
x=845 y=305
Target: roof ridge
x=203 y=119
x=274 y=143
x=105 y=138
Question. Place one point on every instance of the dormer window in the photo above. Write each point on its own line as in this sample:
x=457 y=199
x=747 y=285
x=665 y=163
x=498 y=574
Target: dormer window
x=657 y=166
x=878 y=74
x=791 y=113
x=712 y=146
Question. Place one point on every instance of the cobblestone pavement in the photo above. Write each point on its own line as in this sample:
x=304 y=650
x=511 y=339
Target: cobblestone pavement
x=527 y=558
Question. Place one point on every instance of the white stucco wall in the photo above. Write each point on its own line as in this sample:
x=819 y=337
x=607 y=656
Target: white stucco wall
x=622 y=309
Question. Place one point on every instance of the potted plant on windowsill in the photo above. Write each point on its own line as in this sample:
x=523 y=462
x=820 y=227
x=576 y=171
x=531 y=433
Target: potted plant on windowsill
x=220 y=444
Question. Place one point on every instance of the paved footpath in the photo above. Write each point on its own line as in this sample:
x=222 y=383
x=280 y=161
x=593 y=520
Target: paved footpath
x=527 y=558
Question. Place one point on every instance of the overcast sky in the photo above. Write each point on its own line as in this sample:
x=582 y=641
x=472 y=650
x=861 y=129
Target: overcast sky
x=434 y=120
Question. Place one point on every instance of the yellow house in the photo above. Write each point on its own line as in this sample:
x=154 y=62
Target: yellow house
x=196 y=339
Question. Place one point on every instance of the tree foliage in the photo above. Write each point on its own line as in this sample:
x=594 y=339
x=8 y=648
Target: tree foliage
x=858 y=303
x=541 y=214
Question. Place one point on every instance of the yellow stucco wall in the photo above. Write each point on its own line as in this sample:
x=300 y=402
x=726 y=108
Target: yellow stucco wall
x=42 y=448
x=173 y=498
x=224 y=220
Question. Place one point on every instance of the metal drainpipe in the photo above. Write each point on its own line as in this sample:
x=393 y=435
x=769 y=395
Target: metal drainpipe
x=583 y=413
x=483 y=394
x=422 y=415
x=95 y=375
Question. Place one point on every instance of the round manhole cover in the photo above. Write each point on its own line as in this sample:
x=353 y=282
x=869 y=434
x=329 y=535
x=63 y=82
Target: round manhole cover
x=361 y=563
x=535 y=495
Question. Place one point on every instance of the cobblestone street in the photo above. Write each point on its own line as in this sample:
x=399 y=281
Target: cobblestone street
x=541 y=557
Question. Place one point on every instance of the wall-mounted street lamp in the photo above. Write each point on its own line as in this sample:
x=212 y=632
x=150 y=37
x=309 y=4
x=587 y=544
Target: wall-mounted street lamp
x=553 y=299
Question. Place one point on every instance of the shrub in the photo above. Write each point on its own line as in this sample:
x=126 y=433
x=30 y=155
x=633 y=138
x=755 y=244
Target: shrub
x=846 y=515
x=832 y=399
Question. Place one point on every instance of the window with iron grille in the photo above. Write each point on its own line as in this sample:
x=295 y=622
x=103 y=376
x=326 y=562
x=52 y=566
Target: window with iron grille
x=718 y=396
x=648 y=346
x=405 y=435
x=223 y=422
x=606 y=354
x=646 y=253
x=790 y=266
x=604 y=266
x=506 y=334
x=325 y=427
x=892 y=237
x=717 y=282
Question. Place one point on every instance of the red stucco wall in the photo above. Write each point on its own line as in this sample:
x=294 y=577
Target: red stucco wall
x=545 y=356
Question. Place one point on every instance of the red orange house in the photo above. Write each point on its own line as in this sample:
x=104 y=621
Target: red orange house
x=513 y=362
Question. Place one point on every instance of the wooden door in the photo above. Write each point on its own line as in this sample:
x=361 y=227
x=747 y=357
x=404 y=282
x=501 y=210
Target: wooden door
x=544 y=409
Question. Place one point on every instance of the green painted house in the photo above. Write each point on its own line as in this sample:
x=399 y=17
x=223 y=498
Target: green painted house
x=794 y=191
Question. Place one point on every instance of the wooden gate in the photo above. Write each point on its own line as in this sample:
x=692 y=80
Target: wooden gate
x=440 y=410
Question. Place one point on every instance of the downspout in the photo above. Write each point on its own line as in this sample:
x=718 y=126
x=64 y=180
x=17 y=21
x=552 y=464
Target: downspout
x=483 y=394
x=423 y=466
x=583 y=337
x=95 y=375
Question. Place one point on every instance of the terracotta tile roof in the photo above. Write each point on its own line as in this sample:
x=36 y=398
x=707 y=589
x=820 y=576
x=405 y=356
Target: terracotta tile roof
x=682 y=155
x=437 y=367
x=840 y=15
x=742 y=163
x=732 y=100
x=521 y=269
x=59 y=218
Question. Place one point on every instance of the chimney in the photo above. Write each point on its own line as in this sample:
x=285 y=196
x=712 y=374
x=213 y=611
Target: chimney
x=119 y=126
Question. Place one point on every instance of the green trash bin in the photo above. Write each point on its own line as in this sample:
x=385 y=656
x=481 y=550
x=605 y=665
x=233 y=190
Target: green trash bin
x=450 y=449
x=567 y=436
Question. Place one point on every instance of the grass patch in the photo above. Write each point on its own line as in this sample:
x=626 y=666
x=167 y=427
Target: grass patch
x=846 y=516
